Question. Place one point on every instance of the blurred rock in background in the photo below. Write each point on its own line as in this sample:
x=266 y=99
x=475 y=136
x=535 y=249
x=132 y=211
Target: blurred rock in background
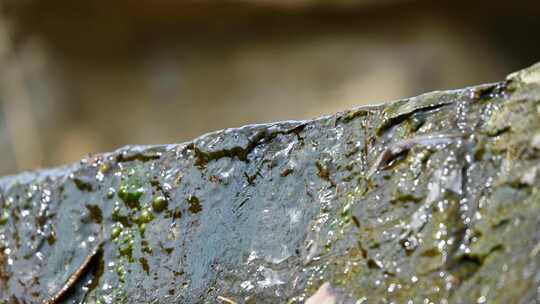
x=83 y=77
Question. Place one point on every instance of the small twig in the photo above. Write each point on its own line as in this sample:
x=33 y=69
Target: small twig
x=395 y=149
x=226 y=300
x=75 y=277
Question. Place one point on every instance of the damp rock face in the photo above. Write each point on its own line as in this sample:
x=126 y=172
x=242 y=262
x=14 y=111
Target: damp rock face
x=433 y=199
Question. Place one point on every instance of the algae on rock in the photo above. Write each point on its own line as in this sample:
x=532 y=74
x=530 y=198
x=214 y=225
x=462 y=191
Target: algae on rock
x=432 y=199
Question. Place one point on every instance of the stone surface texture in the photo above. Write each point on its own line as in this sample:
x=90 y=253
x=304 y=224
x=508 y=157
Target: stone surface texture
x=432 y=199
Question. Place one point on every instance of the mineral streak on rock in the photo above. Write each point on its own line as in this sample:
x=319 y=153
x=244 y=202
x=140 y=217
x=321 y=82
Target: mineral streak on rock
x=433 y=199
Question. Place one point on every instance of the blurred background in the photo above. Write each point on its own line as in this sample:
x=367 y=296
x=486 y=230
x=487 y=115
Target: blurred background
x=88 y=76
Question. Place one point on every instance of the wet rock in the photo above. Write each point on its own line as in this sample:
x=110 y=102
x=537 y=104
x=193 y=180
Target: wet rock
x=432 y=199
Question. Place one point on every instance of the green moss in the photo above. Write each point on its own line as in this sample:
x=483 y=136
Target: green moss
x=145 y=266
x=130 y=193
x=146 y=216
x=351 y=115
x=120 y=217
x=95 y=213
x=399 y=197
x=194 y=204
x=126 y=247
x=83 y=184
x=104 y=168
x=121 y=272
x=159 y=203
x=116 y=231
x=4 y=217
x=110 y=193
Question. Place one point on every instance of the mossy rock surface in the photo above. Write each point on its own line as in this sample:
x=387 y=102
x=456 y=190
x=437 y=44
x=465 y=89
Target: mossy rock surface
x=432 y=199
